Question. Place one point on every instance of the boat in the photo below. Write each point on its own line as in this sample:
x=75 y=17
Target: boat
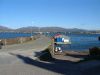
x=61 y=39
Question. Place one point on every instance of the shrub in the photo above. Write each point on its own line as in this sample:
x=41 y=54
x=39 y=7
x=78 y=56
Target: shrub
x=95 y=51
x=46 y=55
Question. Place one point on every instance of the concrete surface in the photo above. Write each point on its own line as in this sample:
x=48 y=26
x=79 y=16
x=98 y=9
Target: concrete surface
x=20 y=60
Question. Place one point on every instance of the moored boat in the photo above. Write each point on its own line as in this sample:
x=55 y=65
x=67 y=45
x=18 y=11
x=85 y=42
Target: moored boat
x=62 y=39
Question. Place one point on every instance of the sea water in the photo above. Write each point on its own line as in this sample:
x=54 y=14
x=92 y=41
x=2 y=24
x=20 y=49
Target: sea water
x=82 y=41
x=78 y=41
x=7 y=35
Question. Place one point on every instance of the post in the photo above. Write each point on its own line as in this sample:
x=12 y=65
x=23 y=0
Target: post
x=53 y=47
x=5 y=41
x=21 y=40
x=31 y=37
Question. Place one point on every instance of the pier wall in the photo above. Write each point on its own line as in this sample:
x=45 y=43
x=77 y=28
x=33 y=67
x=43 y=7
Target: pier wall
x=18 y=40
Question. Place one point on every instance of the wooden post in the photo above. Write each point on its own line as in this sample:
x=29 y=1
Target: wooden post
x=5 y=41
x=21 y=40
x=53 y=47
x=31 y=37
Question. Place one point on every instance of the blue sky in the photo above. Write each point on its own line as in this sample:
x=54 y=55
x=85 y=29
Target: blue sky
x=83 y=14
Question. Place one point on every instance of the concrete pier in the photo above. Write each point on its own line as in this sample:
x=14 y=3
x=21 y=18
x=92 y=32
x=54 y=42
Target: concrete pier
x=20 y=59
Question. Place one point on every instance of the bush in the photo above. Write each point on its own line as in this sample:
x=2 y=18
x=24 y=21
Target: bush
x=95 y=51
x=99 y=38
x=46 y=55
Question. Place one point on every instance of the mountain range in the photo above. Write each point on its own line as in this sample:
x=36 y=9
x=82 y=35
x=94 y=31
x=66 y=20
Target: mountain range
x=44 y=29
x=2 y=28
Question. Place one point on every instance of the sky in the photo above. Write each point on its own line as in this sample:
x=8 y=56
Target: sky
x=84 y=14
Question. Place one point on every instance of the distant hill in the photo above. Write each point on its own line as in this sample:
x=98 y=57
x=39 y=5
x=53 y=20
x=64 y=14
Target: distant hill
x=2 y=28
x=52 y=29
x=46 y=29
x=27 y=29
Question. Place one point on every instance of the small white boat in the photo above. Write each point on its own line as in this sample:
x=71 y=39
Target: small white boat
x=62 y=39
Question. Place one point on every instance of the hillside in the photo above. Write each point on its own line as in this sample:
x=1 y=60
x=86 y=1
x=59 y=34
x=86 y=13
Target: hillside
x=45 y=29
x=2 y=28
x=48 y=29
x=27 y=29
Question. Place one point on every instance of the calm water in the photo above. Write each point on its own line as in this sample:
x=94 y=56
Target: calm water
x=82 y=41
x=6 y=35
x=79 y=41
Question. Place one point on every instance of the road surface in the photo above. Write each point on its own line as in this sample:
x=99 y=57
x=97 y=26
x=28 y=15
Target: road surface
x=21 y=60
x=10 y=64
